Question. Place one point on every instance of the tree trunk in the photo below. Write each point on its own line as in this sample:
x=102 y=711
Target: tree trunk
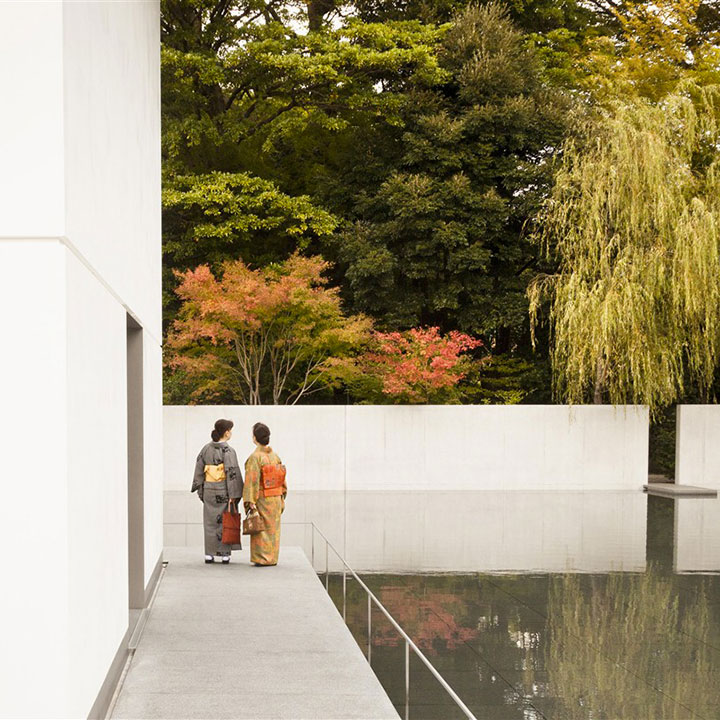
x=502 y=341
x=317 y=9
x=599 y=381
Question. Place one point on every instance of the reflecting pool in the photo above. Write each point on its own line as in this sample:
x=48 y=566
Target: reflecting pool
x=461 y=531
x=640 y=639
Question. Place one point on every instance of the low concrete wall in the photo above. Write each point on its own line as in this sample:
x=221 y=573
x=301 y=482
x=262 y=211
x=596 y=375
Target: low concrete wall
x=336 y=454
x=697 y=449
x=436 y=447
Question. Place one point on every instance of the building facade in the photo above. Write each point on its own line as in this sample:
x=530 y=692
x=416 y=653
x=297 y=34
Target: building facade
x=80 y=367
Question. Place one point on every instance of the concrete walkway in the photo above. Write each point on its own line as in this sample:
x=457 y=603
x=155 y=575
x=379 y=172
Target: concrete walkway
x=240 y=641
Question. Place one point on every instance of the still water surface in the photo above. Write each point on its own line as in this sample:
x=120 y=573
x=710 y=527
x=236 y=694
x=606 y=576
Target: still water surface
x=640 y=643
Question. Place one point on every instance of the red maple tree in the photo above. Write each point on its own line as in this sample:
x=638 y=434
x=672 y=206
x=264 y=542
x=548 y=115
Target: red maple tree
x=416 y=366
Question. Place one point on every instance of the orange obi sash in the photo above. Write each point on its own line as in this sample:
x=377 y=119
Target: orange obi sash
x=273 y=480
x=215 y=473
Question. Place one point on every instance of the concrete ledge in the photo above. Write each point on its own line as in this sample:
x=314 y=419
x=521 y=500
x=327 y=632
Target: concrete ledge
x=152 y=582
x=102 y=702
x=675 y=491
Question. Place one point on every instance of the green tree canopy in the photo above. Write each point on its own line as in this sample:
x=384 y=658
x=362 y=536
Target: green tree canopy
x=440 y=242
x=210 y=217
x=407 y=142
x=654 y=47
x=233 y=85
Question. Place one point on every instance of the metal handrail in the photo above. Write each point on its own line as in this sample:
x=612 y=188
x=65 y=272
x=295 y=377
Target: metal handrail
x=409 y=644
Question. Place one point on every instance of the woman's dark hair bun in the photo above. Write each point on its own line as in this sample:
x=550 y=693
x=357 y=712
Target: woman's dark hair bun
x=262 y=433
x=221 y=427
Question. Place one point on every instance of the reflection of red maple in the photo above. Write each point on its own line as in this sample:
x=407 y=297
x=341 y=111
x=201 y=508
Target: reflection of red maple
x=427 y=619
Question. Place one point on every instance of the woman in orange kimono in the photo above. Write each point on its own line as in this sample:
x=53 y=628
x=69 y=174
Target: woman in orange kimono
x=265 y=491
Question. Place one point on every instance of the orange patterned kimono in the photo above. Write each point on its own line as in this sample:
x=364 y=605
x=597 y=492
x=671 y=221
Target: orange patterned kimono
x=264 y=546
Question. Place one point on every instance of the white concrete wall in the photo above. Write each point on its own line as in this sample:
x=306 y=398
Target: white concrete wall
x=79 y=248
x=358 y=470
x=429 y=447
x=503 y=447
x=33 y=442
x=96 y=485
x=31 y=122
x=697 y=451
x=112 y=147
x=66 y=514
x=80 y=83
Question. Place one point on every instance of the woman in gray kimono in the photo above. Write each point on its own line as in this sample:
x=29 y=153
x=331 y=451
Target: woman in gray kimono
x=219 y=484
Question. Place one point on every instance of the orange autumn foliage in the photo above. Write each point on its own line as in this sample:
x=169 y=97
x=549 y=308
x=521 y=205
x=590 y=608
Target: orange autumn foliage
x=259 y=335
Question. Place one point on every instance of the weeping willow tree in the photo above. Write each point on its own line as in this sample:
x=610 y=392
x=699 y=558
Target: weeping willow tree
x=633 y=228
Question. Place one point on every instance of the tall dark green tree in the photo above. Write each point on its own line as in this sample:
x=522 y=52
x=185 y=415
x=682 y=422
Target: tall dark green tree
x=441 y=240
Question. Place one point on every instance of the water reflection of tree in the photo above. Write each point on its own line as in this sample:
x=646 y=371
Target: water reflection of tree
x=481 y=639
x=627 y=649
x=513 y=633
x=437 y=615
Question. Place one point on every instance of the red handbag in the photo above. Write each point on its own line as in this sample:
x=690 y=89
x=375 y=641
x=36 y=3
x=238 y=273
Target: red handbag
x=231 y=526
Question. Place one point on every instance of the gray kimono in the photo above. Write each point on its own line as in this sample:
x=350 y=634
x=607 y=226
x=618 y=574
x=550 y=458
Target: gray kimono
x=215 y=495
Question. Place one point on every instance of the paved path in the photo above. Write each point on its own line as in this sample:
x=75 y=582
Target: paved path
x=239 y=641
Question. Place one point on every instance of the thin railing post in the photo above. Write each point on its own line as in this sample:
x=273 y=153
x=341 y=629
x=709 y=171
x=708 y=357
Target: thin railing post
x=369 y=629
x=407 y=680
x=344 y=593
x=327 y=567
x=312 y=544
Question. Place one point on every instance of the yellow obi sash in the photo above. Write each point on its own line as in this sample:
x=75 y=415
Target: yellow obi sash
x=215 y=473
